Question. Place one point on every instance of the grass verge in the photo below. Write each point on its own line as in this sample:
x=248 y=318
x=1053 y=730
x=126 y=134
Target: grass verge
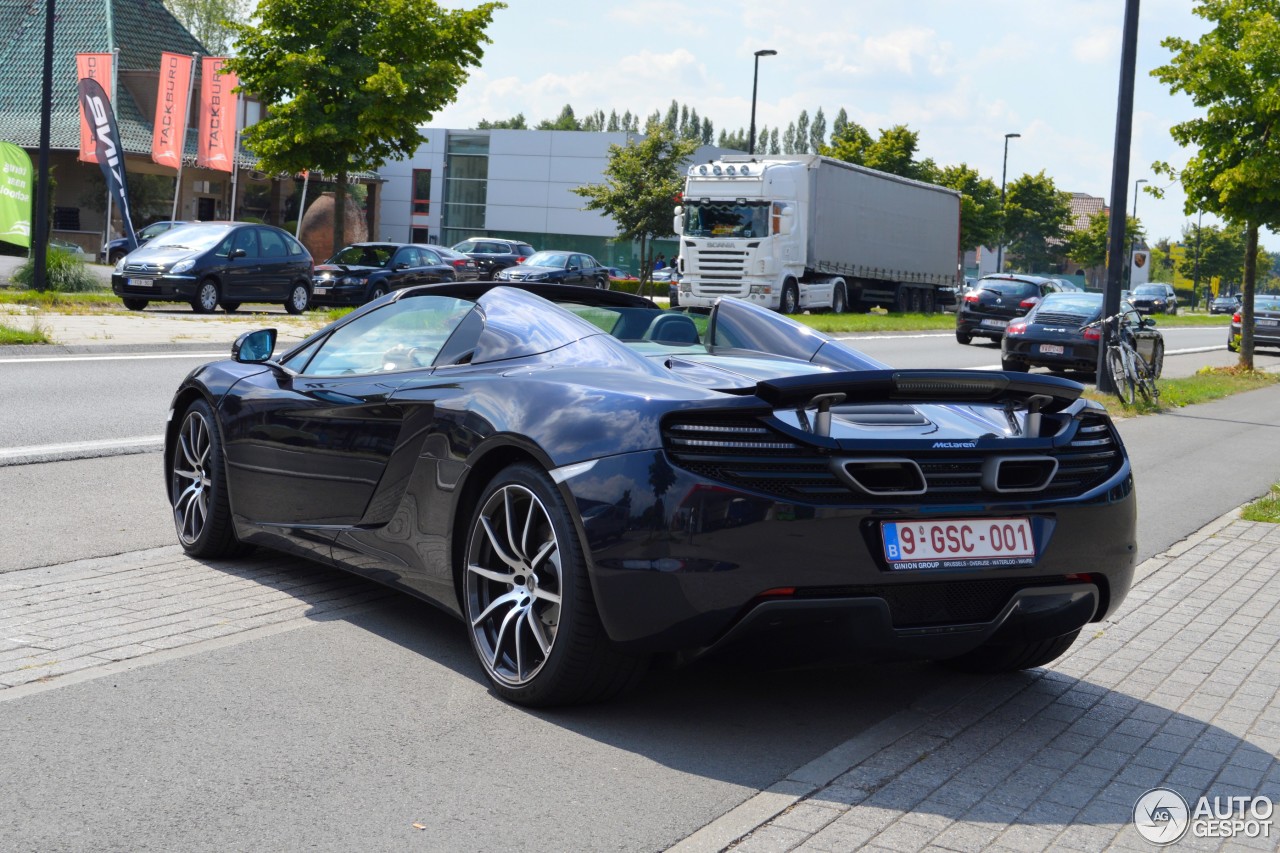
x=1209 y=383
x=13 y=335
x=1265 y=508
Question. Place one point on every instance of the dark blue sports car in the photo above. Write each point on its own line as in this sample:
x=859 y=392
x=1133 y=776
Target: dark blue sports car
x=588 y=480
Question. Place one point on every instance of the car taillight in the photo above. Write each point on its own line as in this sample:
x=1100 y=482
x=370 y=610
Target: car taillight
x=520 y=260
x=1093 y=333
x=1029 y=303
x=1235 y=318
x=971 y=296
x=1018 y=328
x=459 y=264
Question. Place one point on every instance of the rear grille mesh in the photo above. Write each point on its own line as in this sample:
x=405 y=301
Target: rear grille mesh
x=745 y=453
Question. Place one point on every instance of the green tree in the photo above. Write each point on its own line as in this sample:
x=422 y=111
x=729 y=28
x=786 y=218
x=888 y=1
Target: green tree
x=894 y=152
x=838 y=124
x=1233 y=74
x=565 y=121
x=207 y=20
x=802 y=133
x=516 y=122
x=818 y=132
x=1220 y=252
x=979 y=204
x=775 y=147
x=1088 y=246
x=642 y=181
x=789 y=140
x=1035 y=222
x=349 y=82
x=708 y=132
x=736 y=140
x=614 y=125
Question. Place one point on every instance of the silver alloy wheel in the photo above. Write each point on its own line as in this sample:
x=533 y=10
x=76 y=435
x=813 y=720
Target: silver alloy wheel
x=208 y=296
x=514 y=585
x=298 y=299
x=191 y=478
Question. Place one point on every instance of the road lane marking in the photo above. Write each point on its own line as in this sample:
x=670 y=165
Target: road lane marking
x=49 y=358
x=80 y=450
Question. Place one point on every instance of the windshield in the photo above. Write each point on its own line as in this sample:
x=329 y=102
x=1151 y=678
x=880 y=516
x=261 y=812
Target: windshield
x=204 y=236
x=727 y=219
x=547 y=259
x=363 y=256
x=1266 y=303
x=1073 y=302
x=1148 y=290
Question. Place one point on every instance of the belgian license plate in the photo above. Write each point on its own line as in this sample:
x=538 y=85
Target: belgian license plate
x=320 y=290
x=1051 y=349
x=958 y=543
x=999 y=324
x=141 y=282
x=1266 y=322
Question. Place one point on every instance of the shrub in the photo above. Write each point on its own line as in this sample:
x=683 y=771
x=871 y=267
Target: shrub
x=64 y=273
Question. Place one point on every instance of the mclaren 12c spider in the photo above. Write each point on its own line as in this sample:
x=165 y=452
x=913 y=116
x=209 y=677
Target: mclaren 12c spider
x=588 y=481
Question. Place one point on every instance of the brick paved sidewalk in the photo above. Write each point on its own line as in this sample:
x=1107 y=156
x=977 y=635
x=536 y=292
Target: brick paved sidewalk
x=69 y=618
x=1179 y=691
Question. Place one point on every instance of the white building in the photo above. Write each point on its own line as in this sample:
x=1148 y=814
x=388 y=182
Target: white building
x=508 y=183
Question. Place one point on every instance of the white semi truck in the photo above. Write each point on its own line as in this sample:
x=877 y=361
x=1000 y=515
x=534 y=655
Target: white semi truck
x=808 y=232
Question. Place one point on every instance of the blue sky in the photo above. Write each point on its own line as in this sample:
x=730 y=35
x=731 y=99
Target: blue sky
x=962 y=74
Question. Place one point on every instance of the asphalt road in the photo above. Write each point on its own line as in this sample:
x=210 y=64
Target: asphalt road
x=345 y=733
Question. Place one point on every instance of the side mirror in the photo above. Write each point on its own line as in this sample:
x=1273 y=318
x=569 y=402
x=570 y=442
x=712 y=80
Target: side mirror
x=236 y=253
x=786 y=220
x=1148 y=321
x=400 y=266
x=677 y=222
x=254 y=347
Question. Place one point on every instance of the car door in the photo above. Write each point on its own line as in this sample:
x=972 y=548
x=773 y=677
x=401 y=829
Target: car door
x=433 y=269
x=404 y=268
x=242 y=280
x=276 y=267
x=575 y=272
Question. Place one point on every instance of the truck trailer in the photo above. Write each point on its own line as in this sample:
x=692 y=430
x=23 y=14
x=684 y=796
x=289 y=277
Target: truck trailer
x=805 y=232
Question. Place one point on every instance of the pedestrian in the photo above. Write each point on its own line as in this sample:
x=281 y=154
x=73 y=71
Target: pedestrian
x=660 y=263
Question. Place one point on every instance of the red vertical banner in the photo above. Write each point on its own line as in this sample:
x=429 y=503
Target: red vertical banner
x=92 y=66
x=172 y=101
x=217 y=115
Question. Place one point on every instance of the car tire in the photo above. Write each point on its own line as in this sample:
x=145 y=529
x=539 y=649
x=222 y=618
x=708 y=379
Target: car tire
x=602 y=284
x=790 y=303
x=198 y=487
x=135 y=304
x=376 y=291
x=1012 y=655
x=964 y=337
x=527 y=598
x=114 y=257
x=231 y=307
x=206 y=298
x=1016 y=365
x=839 y=302
x=299 y=298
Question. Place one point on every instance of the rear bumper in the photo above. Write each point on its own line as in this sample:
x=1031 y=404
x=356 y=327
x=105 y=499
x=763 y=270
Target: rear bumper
x=1075 y=356
x=706 y=564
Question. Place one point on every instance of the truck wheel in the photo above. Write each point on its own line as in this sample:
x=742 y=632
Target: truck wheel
x=790 y=299
x=917 y=300
x=930 y=302
x=902 y=300
x=839 y=304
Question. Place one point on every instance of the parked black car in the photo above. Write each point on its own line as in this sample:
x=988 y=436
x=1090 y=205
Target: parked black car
x=465 y=267
x=559 y=267
x=1224 y=304
x=1155 y=299
x=116 y=249
x=1266 y=323
x=211 y=264
x=362 y=272
x=493 y=254
x=586 y=481
x=1051 y=335
x=994 y=300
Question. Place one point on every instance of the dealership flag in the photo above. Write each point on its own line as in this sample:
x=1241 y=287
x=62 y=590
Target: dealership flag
x=95 y=66
x=169 y=138
x=110 y=152
x=16 y=176
x=217 y=115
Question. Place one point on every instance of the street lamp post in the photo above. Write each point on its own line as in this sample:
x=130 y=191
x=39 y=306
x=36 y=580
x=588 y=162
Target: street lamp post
x=1004 y=172
x=755 y=81
x=1133 y=242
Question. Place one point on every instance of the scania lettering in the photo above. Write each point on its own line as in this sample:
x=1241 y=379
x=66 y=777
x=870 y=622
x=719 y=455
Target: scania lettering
x=807 y=232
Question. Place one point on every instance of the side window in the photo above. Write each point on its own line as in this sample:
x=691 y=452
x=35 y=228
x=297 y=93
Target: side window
x=428 y=257
x=247 y=239
x=272 y=245
x=576 y=261
x=526 y=250
x=404 y=335
x=294 y=247
x=407 y=255
x=224 y=248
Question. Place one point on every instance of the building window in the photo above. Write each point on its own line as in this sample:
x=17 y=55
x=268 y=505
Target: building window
x=420 y=235
x=421 y=190
x=466 y=184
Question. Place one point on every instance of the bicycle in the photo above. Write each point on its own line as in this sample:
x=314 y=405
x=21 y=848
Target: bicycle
x=1129 y=372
